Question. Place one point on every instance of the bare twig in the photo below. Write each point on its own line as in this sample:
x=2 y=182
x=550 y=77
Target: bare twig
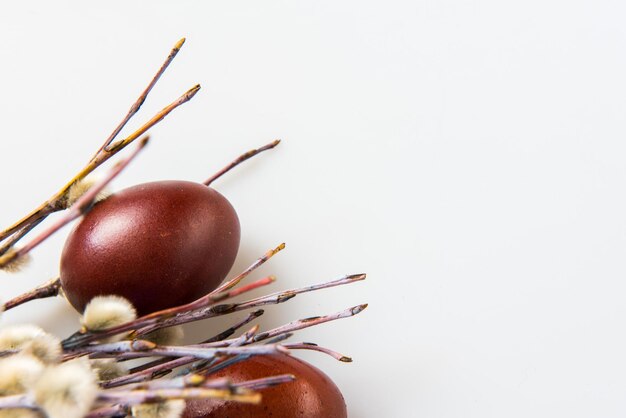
x=160 y=317
x=58 y=201
x=133 y=397
x=211 y=311
x=145 y=348
x=315 y=347
x=309 y=322
x=239 y=160
x=82 y=205
x=46 y=290
x=142 y=98
x=234 y=281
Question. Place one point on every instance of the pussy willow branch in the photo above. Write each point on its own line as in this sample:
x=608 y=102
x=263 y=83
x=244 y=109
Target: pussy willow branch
x=142 y=98
x=243 y=339
x=145 y=348
x=234 y=281
x=315 y=347
x=272 y=334
x=309 y=322
x=239 y=160
x=46 y=290
x=218 y=338
x=113 y=411
x=168 y=366
x=58 y=201
x=159 y=367
x=134 y=397
x=81 y=338
x=223 y=309
x=79 y=208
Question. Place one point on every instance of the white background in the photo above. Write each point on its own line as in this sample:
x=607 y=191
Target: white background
x=468 y=155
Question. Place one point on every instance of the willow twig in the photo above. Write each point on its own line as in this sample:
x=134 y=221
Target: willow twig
x=165 y=365
x=142 y=98
x=134 y=397
x=229 y=284
x=152 y=319
x=58 y=200
x=113 y=411
x=145 y=348
x=266 y=382
x=315 y=347
x=223 y=309
x=46 y=290
x=309 y=322
x=239 y=160
x=79 y=208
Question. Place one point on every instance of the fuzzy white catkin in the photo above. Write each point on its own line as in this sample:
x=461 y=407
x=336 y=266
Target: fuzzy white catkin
x=17 y=264
x=167 y=409
x=166 y=336
x=31 y=340
x=18 y=373
x=108 y=369
x=80 y=188
x=104 y=312
x=66 y=390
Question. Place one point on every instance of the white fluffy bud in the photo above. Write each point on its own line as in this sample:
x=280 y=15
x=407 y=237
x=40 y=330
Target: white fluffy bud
x=66 y=390
x=104 y=312
x=31 y=340
x=168 y=409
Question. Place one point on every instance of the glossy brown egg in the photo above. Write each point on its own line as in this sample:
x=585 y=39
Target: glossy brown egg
x=159 y=245
x=311 y=395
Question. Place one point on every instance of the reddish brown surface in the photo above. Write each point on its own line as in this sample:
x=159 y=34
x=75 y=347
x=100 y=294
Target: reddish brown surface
x=311 y=395
x=157 y=244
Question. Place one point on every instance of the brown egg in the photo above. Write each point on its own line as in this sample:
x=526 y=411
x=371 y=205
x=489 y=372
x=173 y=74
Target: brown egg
x=159 y=245
x=311 y=395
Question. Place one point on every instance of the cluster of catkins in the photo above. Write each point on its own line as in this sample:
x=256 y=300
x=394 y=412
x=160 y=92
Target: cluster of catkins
x=32 y=366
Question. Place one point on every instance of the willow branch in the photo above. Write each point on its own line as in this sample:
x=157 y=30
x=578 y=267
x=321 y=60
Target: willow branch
x=46 y=290
x=79 y=208
x=234 y=281
x=142 y=98
x=58 y=200
x=309 y=322
x=223 y=309
x=160 y=317
x=239 y=160
x=315 y=347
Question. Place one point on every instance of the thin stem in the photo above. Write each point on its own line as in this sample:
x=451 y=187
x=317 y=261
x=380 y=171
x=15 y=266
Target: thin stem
x=147 y=349
x=160 y=317
x=239 y=160
x=266 y=382
x=118 y=145
x=161 y=366
x=230 y=331
x=113 y=411
x=142 y=98
x=315 y=347
x=58 y=200
x=234 y=281
x=223 y=309
x=133 y=397
x=46 y=290
x=80 y=207
x=309 y=322
x=18 y=401
x=18 y=235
